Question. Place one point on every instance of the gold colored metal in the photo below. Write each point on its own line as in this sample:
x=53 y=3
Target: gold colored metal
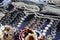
x=31 y=37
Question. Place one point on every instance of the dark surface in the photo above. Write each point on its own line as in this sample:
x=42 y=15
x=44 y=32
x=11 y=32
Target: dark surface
x=1 y=1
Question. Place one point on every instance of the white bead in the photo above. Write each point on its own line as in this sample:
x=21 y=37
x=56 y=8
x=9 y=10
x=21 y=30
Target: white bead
x=48 y=25
x=22 y=38
x=19 y=23
x=41 y=30
x=5 y=32
x=2 y=27
x=51 y=20
x=34 y=16
x=43 y=34
x=22 y=18
x=46 y=28
x=45 y=31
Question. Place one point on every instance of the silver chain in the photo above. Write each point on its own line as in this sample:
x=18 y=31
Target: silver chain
x=53 y=29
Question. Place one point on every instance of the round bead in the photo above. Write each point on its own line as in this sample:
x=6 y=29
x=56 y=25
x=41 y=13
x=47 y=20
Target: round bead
x=5 y=32
x=41 y=30
x=51 y=23
x=51 y=20
x=19 y=23
x=46 y=28
x=43 y=34
x=48 y=25
x=22 y=18
x=2 y=27
x=45 y=31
